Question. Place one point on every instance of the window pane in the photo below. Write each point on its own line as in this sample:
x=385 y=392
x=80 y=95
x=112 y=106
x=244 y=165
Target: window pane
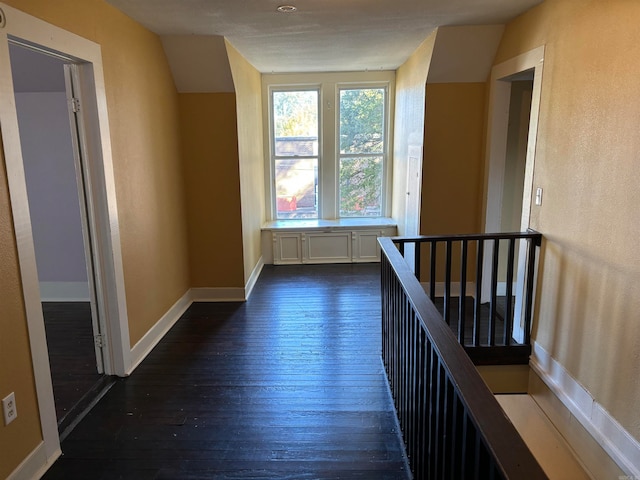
x=295 y=122
x=361 y=186
x=296 y=187
x=361 y=134
x=362 y=120
x=295 y=129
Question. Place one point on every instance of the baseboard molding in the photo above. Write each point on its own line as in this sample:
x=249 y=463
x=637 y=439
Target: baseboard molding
x=253 y=278
x=455 y=289
x=64 y=291
x=223 y=294
x=141 y=349
x=35 y=464
x=623 y=448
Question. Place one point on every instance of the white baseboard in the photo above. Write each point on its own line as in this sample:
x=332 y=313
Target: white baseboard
x=222 y=294
x=64 y=291
x=141 y=349
x=621 y=446
x=248 y=288
x=35 y=464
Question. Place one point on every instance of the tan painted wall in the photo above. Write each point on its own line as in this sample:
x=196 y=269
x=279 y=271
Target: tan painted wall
x=587 y=163
x=411 y=79
x=452 y=168
x=248 y=85
x=210 y=151
x=452 y=171
x=19 y=438
x=143 y=116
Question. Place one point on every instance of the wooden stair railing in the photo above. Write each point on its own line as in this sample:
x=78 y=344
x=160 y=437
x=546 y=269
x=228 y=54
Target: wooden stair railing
x=452 y=425
x=483 y=328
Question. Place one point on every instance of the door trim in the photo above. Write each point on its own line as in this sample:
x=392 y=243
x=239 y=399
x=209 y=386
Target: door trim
x=31 y=30
x=499 y=101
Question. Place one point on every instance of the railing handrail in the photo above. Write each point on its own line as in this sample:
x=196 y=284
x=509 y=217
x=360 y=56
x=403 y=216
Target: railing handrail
x=529 y=234
x=511 y=454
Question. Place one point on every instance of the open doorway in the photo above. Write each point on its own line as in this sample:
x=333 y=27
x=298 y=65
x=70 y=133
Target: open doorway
x=85 y=76
x=43 y=91
x=514 y=106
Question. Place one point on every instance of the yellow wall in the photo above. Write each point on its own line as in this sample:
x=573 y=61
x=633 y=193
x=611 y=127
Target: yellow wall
x=19 y=438
x=452 y=168
x=248 y=85
x=210 y=151
x=143 y=116
x=411 y=79
x=587 y=163
x=452 y=171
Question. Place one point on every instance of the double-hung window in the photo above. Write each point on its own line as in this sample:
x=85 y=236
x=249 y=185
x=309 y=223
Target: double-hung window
x=328 y=145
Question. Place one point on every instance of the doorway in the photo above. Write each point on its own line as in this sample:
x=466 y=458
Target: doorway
x=516 y=87
x=43 y=91
x=93 y=128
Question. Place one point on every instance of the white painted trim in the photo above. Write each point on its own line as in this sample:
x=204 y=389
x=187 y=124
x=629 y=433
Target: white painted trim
x=619 y=444
x=35 y=464
x=220 y=294
x=499 y=99
x=156 y=333
x=253 y=278
x=64 y=291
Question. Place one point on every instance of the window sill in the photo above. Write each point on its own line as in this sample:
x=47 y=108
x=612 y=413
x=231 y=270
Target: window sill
x=338 y=224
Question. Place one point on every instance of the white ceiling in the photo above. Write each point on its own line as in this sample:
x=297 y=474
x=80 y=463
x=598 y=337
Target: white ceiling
x=322 y=35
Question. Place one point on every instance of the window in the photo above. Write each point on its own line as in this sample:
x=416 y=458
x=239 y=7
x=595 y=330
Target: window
x=295 y=156
x=361 y=158
x=328 y=145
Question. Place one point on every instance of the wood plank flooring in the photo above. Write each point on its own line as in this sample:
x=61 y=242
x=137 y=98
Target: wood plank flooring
x=72 y=356
x=289 y=384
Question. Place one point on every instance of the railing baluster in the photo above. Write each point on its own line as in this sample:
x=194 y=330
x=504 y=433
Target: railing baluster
x=531 y=264
x=462 y=308
x=432 y=271
x=508 y=311
x=416 y=258
x=478 y=299
x=447 y=284
x=494 y=293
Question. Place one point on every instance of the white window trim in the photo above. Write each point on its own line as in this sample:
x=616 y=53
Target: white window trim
x=329 y=85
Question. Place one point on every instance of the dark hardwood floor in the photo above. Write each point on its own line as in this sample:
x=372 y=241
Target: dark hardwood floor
x=72 y=357
x=288 y=385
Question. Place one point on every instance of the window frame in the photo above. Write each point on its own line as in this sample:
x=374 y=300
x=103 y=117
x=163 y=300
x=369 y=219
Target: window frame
x=328 y=85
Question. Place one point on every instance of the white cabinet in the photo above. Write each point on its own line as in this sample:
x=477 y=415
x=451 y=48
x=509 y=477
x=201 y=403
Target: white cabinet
x=287 y=248
x=326 y=245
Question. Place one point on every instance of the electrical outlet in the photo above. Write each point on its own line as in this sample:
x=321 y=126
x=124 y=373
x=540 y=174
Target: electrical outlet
x=9 y=408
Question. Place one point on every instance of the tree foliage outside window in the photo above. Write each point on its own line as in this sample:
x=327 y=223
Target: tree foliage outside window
x=361 y=151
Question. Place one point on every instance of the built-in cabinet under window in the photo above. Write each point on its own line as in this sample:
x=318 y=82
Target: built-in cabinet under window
x=324 y=242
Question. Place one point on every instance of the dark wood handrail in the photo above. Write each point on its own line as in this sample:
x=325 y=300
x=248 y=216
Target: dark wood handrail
x=495 y=345
x=452 y=425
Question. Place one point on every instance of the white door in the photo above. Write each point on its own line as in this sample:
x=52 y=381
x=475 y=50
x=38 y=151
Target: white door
x=412 y=205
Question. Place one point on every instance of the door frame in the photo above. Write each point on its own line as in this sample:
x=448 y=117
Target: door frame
x=499 y=101
x=101 y=197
